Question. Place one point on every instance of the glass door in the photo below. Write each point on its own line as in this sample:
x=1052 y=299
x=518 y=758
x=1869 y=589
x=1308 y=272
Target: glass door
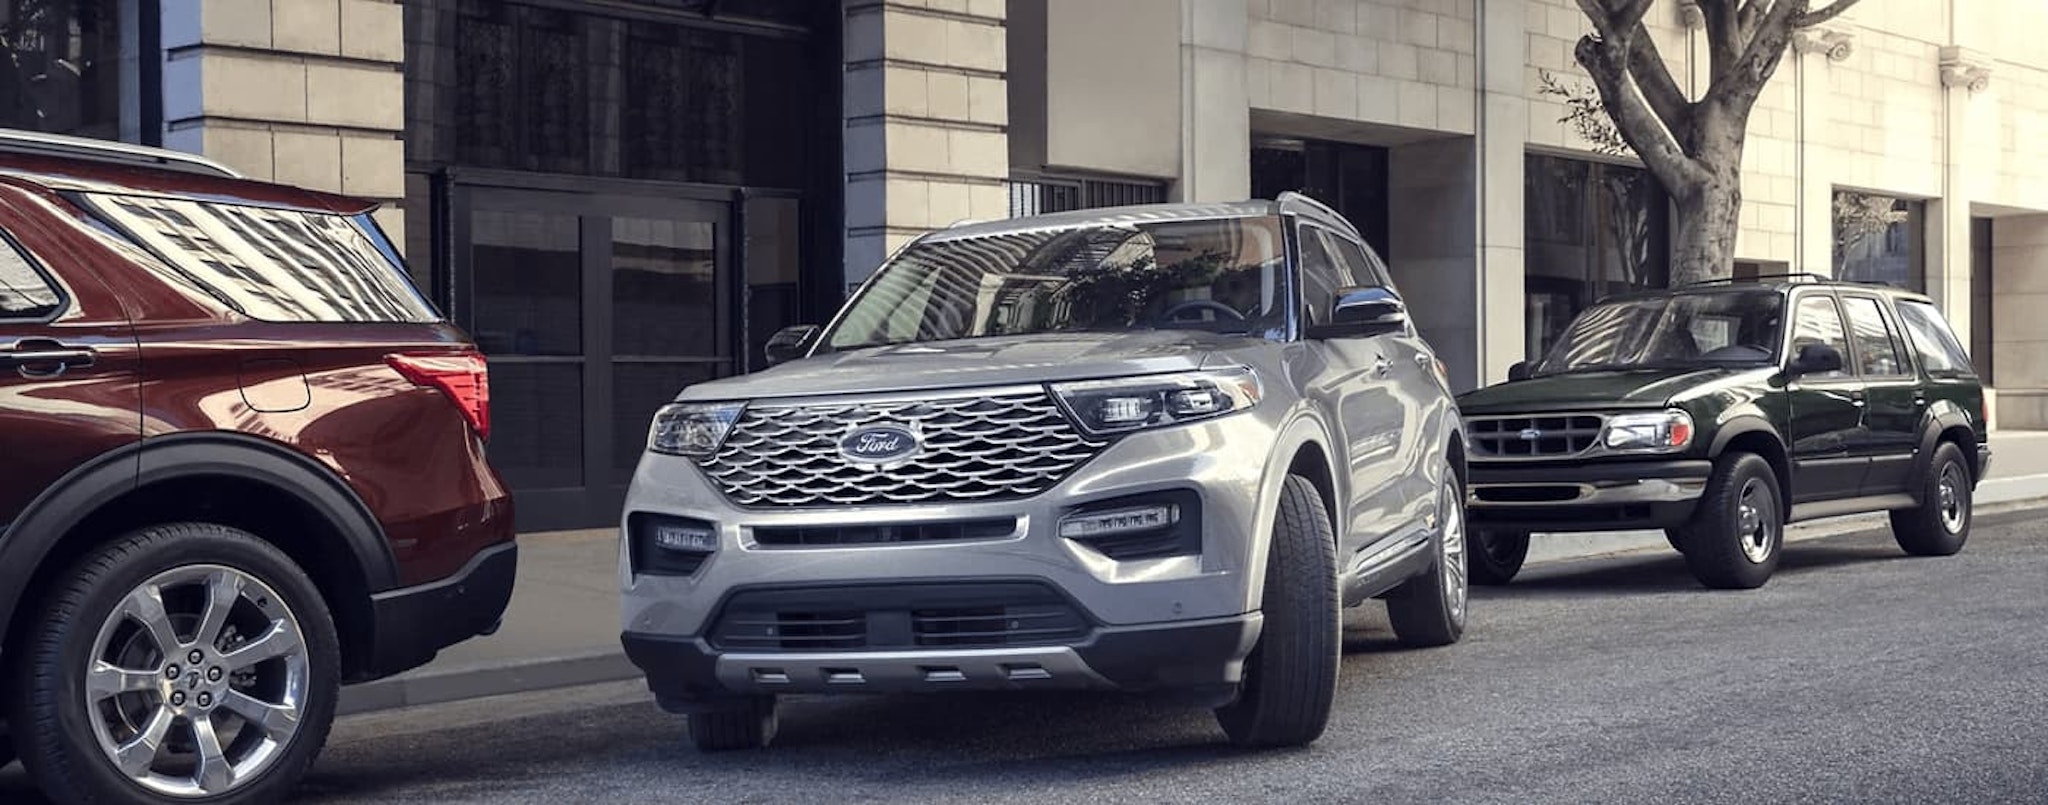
x=594 y=309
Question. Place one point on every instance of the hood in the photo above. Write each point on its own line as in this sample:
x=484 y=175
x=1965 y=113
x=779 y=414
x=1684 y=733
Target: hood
x=1611 y=388
x=970 y=362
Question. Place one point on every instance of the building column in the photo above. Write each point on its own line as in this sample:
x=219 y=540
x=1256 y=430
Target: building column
x=927 y=114
x=304 y=92
x=1503 y=133
x=1215 y=104
x=1813 y=50
x=1964 y=75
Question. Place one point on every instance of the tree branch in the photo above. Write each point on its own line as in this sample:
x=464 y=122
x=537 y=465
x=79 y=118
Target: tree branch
x=1653 y=75
x=1724 y=34
x=1612 y=22
x=1645 y=134
x=1812 y=18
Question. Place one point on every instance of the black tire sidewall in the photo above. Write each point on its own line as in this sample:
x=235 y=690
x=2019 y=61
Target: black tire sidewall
x=1417 y=609
x=1482 y=566
x=62 y=752
x=1919 y=530
x=1713 y=549
x=1302 y=620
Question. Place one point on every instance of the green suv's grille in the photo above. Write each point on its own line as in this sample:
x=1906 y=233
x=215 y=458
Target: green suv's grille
x=1533 y=437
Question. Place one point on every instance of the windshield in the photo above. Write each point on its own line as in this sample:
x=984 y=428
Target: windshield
x=1716 y=328
x=1220 y=275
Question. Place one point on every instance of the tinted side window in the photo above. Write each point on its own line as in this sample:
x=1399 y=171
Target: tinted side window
x=1321 y=275
x=1363 y=270
x=272 y=264
x=1817 y=321
x=1877 y=347
x=1939 y=350
x=24 y=293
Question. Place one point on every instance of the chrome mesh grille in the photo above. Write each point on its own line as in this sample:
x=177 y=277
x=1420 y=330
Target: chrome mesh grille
x=976 y=448
x=1533 y=437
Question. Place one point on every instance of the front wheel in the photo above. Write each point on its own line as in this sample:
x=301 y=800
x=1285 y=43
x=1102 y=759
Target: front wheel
x=1429 y=610
x=749 y=724
x=1941 y=523
x=1738 y=531
x=1290 y=679
x=181 y=663
x=1498 y=555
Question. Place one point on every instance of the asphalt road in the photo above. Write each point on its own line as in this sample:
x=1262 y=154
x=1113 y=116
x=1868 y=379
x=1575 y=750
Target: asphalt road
x=1857 y=675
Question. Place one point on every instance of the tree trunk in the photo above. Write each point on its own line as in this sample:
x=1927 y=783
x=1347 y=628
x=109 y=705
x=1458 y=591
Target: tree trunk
x=1703 y=234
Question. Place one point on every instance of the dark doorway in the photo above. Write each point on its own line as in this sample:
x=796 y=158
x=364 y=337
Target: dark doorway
x=1981 y=289
x=1351 y=178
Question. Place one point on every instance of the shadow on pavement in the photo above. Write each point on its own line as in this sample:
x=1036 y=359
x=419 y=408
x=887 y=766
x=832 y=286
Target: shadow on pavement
x=1665 y=573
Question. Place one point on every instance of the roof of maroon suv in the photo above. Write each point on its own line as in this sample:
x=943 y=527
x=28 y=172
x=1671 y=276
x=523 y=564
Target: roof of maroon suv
x=59 y=173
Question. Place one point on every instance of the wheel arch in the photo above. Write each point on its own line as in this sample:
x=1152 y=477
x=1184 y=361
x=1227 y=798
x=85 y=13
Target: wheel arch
x=235 y=480
x=1300 y=447
x=1946 y=423
x=1753 y=434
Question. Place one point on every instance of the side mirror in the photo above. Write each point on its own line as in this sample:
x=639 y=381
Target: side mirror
x=1361 y=312
x=1522 y=370
x=1816 y=359
x=789 y=343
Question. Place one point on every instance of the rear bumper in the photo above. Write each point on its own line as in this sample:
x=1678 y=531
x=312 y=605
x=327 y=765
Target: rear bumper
x=412 y=624
x=687 y=673
x=1593 y=496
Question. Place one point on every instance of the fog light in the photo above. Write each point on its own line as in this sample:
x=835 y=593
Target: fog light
x=1118 y=521
x=678 y=537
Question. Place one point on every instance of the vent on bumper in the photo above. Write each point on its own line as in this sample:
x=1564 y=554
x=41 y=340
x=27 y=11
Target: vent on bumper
x=1145 y=526
x=669 y=546
x=886 y=616
x=955 y=531
x=1533 y=437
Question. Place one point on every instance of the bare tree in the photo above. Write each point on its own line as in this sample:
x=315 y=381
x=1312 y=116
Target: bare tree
x=1693 y=147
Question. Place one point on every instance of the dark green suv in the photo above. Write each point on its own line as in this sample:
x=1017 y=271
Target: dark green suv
x=1699 y=411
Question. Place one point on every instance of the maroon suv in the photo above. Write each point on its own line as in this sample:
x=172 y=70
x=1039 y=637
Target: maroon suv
x=241 y=464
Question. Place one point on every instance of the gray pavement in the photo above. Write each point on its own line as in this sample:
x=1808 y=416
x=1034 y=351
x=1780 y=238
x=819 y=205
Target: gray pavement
x=1857 y=675
x=562 y=627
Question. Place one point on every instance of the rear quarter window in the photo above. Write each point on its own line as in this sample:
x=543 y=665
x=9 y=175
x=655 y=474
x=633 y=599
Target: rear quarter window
x=24 y=293
x=1939 y=349
x=278 y=265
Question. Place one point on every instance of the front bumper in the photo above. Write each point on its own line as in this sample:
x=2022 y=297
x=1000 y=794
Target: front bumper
x=412 y=624
x=1588 y=496
x=686 y=672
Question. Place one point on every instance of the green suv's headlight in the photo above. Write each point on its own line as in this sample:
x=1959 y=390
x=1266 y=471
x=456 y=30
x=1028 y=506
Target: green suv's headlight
x=1659 y=432
x=1128 y=404
x=692 y=429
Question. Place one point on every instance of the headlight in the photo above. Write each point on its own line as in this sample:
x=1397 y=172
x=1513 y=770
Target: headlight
x=1660 y=432
x=692 y=429
x=1128 y=404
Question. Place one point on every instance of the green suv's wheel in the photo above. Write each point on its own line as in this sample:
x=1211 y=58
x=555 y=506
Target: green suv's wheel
x=1738 y=530
x=1291 y=675
x=1941 y=523
x=181 y=663
x=749 y=724
x=1496 y=556
x=1429 y=610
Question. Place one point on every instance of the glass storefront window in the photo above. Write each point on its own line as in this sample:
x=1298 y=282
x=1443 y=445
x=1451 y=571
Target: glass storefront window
x=61 y=69
x=1593 y=230
x=1880 y=239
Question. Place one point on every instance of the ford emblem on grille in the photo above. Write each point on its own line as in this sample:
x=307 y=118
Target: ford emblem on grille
x=879 y=444
x=1531 y=434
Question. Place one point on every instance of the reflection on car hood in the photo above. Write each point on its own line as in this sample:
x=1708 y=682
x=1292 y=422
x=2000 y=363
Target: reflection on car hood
x=1624 y=388
x=971 y=362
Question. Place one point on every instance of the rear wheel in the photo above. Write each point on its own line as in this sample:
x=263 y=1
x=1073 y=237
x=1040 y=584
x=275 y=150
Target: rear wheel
x=1291 y=676
x=1497 y=555
x=181 y=663
x=1739 y=529
x=749 y=724
x=1941 y=523
x=1429 y=610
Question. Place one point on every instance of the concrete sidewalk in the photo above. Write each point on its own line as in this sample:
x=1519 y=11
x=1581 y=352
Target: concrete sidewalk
x=562 y=628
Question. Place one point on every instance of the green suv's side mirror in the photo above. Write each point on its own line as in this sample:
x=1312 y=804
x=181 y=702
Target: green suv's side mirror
x=1522 y=370
x=1359 y=312
x=1816 y=359
x=789 y=343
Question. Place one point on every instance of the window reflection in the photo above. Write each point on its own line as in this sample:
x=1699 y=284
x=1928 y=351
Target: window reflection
x=60 y=67
x=665 y=299
x=23 y=293
x=1593 y=230
x=1880 y=239
x=528 y=285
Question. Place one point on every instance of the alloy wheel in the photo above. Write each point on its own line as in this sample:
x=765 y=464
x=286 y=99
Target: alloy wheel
x=1456 y=584
x=1756 y=521
x=197 y=681
x=1953 y=502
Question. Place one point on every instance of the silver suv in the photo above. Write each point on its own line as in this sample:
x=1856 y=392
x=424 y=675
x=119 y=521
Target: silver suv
x=1150 y=448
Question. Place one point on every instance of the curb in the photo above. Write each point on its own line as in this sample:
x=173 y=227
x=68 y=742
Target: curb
x=526 y=676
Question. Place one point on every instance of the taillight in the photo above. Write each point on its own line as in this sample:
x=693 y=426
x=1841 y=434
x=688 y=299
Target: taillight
x=463 y=376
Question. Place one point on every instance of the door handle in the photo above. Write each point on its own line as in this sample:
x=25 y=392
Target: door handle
x=39 y=359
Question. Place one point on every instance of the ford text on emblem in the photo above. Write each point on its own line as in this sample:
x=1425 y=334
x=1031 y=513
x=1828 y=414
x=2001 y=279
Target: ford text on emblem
x=1531 y=434
x=878 y=444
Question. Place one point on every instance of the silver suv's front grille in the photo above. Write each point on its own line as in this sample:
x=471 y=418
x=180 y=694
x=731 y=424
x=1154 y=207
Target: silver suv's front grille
x=993 y=446
x=1533 y=437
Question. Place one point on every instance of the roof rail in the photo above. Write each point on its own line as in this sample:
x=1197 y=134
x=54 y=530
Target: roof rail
x=35 y=142
x=1806 y=275
x=1291 y=201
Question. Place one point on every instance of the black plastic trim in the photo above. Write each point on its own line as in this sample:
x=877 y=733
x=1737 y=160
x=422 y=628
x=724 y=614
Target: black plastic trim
x=412 y=624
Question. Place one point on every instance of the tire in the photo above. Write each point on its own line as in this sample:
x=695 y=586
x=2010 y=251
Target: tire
x=1724 y=547
x=1497 y=556
x=1291 y=676
x=92 y=607
x=750 y=724
x=1941 y=523
x=1430 y=609
x=1677 y=539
